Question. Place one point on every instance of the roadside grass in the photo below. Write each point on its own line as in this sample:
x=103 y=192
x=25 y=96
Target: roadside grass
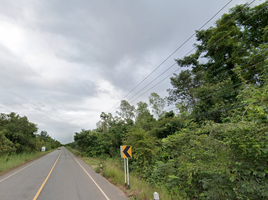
x=9 y=162
x=74 y=151
x=113 y=171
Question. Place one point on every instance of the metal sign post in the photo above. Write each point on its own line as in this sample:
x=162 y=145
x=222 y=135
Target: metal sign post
x=125 y=172
x=126 y=152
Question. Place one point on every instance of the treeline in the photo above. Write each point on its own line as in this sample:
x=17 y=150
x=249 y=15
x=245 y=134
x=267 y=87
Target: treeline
x=18 y=135
x=213 y=144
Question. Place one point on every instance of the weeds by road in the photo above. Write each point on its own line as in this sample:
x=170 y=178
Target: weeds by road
x=9 y=162
x=113 y=171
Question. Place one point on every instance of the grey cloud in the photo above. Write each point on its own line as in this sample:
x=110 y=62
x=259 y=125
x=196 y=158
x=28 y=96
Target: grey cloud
x=105 y=32
x=118 y=41
x=13 y=71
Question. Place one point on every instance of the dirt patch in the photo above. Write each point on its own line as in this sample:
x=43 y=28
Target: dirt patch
x=94 y=166
x=134 y=193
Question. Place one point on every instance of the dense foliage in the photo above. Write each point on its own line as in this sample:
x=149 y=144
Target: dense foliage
x=214 y=145
x=18 y=135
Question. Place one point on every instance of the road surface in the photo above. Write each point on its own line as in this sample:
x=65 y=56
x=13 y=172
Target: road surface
x=57 y=176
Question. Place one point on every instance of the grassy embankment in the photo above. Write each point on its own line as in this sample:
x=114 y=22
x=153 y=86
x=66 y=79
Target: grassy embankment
x=9 y=162
x=114 y=171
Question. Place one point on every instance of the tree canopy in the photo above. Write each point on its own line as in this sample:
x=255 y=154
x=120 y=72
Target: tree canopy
x=18 y=135
x=214 y=145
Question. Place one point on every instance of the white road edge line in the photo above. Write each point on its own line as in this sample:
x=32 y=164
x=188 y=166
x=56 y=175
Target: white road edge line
x=91 y=178
x=22 y=169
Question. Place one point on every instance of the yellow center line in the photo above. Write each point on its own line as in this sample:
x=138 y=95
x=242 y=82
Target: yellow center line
x=40 y=189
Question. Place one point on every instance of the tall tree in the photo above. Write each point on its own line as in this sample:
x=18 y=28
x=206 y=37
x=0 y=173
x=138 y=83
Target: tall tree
x=157 y=103
x=126 y=111
x=19 y=131
x=183 y=87
x=227 y=57
x=104 y=118
x=143 y=116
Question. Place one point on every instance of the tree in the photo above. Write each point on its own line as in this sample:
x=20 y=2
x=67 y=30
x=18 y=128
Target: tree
x=143 y=116
x=183 y=87
x=47 y=141
x=6 y=146
x=104 y=118
x=217 y=146
x=126 y=111
x=81 y=139
x=145 y=150
x=44 y=135
x=19 y=131
x=227 y=56
x=157 y=103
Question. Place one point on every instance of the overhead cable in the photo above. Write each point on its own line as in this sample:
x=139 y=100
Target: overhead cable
x=173 y=53
x=188 y=53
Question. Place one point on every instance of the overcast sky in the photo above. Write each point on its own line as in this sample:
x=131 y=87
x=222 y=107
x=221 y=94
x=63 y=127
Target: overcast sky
x=64 y=62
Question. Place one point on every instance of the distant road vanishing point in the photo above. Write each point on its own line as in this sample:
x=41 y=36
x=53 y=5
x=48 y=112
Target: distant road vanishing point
x=59 y=175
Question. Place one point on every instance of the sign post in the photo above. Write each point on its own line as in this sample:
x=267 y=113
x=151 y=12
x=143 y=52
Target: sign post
x=126 y=152
x=125 y=172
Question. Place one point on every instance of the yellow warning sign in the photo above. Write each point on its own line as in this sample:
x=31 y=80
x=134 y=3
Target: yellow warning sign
x=126 y=151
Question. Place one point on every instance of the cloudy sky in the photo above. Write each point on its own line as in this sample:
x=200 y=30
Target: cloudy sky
x=64 y=62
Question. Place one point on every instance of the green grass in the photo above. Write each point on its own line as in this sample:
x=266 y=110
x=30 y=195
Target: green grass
x=75 y=152
x=9 y=162
x=113 y=171
x=139 y=189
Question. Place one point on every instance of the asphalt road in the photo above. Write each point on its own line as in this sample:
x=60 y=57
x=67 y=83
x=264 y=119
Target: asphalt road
x=57 y=176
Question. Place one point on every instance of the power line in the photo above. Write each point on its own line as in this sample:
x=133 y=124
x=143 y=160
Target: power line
x=241 y=71
x=246 y=5
x=193 y=49
x=188 y=52
x=173 y=53
x=153 y=80
x=238 y=72
x=223 y=109
x=221 y=94
x=177 y=70
x=214 y=97
x=224 y=89
x=226 y=109
x=153 y=86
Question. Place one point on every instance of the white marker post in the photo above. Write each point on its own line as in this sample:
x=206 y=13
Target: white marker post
x=156 y=196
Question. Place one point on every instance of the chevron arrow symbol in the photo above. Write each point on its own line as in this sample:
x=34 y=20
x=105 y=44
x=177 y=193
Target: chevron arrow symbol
x=126 y=151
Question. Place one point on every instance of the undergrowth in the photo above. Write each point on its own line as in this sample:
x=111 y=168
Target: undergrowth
x=9 y=162
x=113 y=171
